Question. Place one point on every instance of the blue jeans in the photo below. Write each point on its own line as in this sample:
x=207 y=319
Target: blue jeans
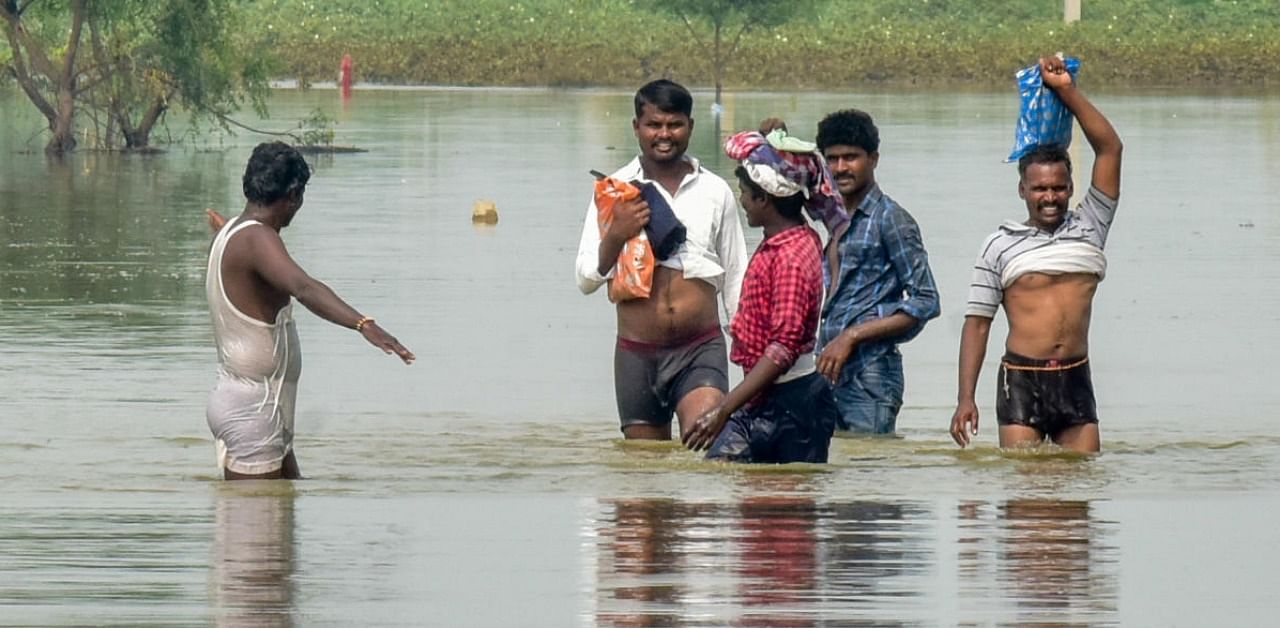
x=869 y=401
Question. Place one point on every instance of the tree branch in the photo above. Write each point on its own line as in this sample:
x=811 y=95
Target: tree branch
x=73 y=43
x=693 y=33
x=28 y=84
x=747 y=23
x=24 y=7
x=19 y=39
x=223 y=117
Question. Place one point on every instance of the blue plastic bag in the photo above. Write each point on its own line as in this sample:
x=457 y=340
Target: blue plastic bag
x=1043 y=119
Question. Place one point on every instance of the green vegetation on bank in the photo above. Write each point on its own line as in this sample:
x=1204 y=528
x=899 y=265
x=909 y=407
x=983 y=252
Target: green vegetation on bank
x=839 y=43
x=104 y=73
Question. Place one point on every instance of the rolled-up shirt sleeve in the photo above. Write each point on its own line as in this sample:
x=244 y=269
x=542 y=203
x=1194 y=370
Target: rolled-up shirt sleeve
x=588 y=263
x=905 y=248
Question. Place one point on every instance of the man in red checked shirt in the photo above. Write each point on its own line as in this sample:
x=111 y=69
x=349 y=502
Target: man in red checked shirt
x=783 y=411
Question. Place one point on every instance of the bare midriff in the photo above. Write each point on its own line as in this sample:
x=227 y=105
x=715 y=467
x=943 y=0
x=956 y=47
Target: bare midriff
x=676 y=311
x=1049 y=315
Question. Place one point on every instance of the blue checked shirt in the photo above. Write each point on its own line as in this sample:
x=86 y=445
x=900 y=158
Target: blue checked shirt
x=883 y=269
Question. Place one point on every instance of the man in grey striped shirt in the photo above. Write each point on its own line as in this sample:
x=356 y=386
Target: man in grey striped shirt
x=1044 y=271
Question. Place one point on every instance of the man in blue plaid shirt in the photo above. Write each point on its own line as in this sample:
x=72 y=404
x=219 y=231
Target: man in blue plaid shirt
x=880 y=291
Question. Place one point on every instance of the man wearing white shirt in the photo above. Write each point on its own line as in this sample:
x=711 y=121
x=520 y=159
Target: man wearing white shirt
x=670 y=354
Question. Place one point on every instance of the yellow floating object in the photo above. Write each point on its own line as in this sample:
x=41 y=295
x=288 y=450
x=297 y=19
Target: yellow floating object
x=485 y=212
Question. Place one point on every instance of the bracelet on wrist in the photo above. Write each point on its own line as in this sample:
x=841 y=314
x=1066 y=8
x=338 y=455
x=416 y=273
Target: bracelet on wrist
x=364 y=320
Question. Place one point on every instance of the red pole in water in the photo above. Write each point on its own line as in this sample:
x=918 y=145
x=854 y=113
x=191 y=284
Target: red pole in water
x=348 y=67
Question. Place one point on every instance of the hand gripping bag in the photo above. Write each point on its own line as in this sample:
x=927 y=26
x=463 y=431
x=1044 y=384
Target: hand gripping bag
x=666 y=232
x=633 y=275
x=1042 y=119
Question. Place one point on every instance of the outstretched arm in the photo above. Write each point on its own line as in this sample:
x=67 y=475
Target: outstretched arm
x=1106 y=143
x=272 y=262
x=215 y=219
x=973 y=348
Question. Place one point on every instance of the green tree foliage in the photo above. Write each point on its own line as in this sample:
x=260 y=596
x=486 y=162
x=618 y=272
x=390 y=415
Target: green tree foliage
x=43 y=61
x=150 y=55
x=125 y=63
x=718 y=26
x=827 y=44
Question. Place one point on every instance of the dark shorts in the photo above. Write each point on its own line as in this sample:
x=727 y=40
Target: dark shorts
x=793 y=423
x=1048 y=395
x=649 y=380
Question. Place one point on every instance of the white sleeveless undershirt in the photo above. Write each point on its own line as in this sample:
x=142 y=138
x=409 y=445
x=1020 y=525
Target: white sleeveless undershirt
x=251 y=408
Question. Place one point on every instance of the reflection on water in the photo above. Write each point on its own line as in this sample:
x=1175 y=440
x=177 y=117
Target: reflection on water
x=1049 y=559
x=640 y=550
x=778 y=560
x=770 y=559
x=791 y=560
x=251 y=576
x=877 y=554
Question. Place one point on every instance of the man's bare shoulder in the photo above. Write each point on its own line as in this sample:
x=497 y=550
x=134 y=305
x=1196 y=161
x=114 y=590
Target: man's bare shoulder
x=250 y=240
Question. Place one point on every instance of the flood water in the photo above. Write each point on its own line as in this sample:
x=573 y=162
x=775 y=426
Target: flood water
x=486 y=485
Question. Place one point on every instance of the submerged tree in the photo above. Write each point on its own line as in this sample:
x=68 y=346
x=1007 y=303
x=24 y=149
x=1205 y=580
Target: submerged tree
x=49 y=79
x=151 y=55
x=143 y=57
x=718 y=26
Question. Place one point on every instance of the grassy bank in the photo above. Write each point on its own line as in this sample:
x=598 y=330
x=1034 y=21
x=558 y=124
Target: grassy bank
x=844 y=43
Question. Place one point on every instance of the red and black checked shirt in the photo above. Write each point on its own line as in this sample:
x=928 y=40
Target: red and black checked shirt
x=781 y=299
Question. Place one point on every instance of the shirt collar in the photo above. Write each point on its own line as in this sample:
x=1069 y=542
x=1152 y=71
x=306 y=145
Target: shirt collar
x=1013 y=226
x=871 y=199
x=786 y=236
x=637 y=171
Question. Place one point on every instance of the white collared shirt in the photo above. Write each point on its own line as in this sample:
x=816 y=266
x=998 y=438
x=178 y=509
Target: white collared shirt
x=714 y=249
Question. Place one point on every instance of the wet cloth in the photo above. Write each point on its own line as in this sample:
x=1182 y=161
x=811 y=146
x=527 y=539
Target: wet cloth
x=1042 y=118
x=1083 y=233
x=650 y=380
x=785 y=166
x=714 y=249
x=665 y=232
x=250 y=410
x=1047 y=395
x=793 y=424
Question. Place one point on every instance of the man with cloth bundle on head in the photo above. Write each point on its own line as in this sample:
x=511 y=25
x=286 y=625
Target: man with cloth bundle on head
x=1044 y=271
x=783 y=410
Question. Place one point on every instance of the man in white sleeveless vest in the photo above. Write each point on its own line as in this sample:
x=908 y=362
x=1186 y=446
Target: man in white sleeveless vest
x=1044 y=272
x=251 y=284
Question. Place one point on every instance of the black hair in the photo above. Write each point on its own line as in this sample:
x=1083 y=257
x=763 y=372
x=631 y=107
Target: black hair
x=275 y=170
x=849 y=127
x=667 y=96
x=1044 y=154
x=790 y=207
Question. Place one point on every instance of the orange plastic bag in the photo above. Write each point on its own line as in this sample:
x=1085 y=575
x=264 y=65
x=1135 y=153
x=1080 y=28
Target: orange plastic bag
x=633 y=278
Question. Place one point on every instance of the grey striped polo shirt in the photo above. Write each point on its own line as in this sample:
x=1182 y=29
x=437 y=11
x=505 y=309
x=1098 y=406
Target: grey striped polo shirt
x=1088 y=223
